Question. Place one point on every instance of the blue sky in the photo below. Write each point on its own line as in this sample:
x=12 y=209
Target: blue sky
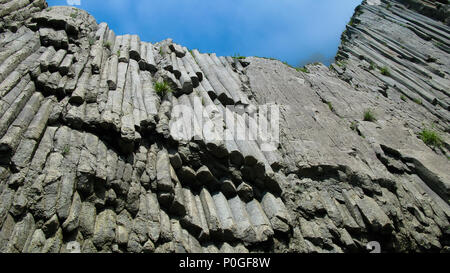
x=296 y=31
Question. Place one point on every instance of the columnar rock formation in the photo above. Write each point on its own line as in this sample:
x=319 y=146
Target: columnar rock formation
x=93 y=158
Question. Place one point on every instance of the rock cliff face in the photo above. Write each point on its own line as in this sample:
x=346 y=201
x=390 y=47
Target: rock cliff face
x=94 y=156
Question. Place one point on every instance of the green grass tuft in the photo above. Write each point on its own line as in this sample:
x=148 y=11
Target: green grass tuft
x=330 y=105
x=385 y=71
x=403 y=98
x=162 y=88
x=238 y=56
x=431 y=138
x=341 y=63
x=66 y=150
x=418 y=101
x=91 y=41
x=369 y=116
x=302 y=69
x=107 y=45
x=352 y=22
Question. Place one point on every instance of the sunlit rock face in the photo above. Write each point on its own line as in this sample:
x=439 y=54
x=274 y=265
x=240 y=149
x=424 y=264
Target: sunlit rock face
x=113 y=144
